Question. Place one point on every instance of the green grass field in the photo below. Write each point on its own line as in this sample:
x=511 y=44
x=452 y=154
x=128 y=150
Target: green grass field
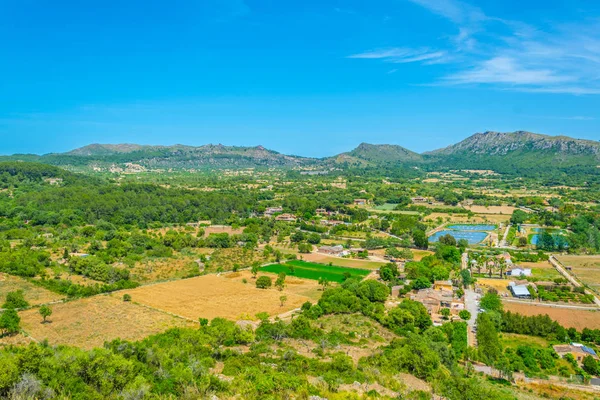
x=308 y=270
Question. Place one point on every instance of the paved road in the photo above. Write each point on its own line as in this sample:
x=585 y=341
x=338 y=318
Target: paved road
x=472 y=305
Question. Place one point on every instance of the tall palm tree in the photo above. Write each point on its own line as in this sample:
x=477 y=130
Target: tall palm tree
x=502 y=266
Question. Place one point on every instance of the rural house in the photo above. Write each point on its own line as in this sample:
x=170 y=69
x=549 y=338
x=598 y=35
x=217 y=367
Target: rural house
x=334 y=250
x=286 y=217
x=577 y=350
x=519 y=272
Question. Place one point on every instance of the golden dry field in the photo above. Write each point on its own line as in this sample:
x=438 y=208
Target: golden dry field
x=89 y=322
x=569 y=317
x=586 y=268
x=491 y=209
x=33 y=294
x=211 y=296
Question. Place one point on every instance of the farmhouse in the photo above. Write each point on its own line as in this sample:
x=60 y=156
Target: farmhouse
x=419 y=199
x=331 y=222
x=435 y=300
x=520 y=291
x=286 y=217
x=360 y=202
x=577 y=350
x=519 y=272
x=273 y=210
x=334 y=250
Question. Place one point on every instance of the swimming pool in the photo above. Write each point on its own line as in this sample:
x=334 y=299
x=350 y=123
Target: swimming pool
x=473 y=237
x=472 y=227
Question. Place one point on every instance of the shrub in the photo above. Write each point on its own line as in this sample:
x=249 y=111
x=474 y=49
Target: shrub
x=264 y=282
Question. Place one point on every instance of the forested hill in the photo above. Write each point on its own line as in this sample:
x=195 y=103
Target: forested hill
x=518 y=151
x=512 y=153
x=18 y=174
x=138 y=157
x=377 y=154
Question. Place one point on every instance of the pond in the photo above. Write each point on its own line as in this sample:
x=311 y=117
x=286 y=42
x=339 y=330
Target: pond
x=472 y=227
x=557 y=234
x=473 y=237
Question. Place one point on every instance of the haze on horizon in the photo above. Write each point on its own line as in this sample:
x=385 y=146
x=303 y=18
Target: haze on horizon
x=314 y=78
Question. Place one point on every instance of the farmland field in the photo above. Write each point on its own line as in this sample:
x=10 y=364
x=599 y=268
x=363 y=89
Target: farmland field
x=569 y=317
x=543 y=270
x=211 y=296
x=586 y=268
x=90 y=322
x=308 y=270
x=342 y=262
x=33 y=294
x=507 y=210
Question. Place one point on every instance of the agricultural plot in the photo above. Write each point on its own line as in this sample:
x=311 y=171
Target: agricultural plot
x=211 y=296
x=342 y=262
x=308 y=270
x=33 y=294
x=541 y=271
x=506 y=210
x=89 y=322
x=586 y=268
x=569 y=317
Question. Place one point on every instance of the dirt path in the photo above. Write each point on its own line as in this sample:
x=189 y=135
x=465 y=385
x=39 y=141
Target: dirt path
x=503 y=241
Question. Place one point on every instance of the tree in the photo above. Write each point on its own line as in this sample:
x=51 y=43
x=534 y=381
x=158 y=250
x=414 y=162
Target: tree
x=421 y=283
x=45 y=312
x=264 y=282
x=590 y=365
x=305 y=248
x=445 y=312
x=324 y=282
x=464 y=314
x=255 y=268
x=420 y=239
x=10 y=321
x=490 y=348
x=126 y=297
x=462 y=243
x=280 y=282
x=15 y=300
x=519 y=217
x=203 y=321
x=448 y=240
x=465 y=274
x=278 y=255
x=491 y=302
x=314 y=238
x=282 y=300
x=388 y=272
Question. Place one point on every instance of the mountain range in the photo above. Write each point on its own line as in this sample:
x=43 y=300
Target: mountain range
x=502 y=152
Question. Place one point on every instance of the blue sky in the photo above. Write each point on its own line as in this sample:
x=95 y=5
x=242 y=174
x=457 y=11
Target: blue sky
x=311 y=77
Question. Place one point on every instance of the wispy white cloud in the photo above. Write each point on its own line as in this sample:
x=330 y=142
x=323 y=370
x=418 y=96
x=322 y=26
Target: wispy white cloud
x=509 y=71
x=507 y=54
x=400 y=55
